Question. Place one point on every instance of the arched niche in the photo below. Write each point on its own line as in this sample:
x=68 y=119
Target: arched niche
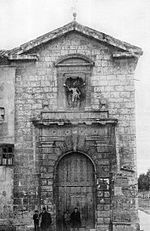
x=74 y=85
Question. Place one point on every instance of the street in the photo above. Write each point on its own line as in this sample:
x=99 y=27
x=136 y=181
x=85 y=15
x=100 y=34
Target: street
x=144 y=221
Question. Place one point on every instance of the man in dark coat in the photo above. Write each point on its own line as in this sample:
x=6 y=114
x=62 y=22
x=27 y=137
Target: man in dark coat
x=46 y=220
x=36 y=220
x=75 y=219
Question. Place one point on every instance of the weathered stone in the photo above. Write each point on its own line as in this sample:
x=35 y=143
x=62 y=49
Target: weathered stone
x=71 y=87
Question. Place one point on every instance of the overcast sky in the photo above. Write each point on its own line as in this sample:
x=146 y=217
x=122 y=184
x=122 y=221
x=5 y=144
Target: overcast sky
x=127 y=20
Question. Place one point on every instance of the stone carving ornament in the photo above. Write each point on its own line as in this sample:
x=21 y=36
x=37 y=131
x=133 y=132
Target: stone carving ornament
x=74 y=89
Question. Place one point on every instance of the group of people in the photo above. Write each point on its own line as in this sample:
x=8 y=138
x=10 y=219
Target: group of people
x=44 y=220
x=72 y=221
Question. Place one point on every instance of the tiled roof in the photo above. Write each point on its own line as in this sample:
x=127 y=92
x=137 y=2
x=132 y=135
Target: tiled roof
x=3 y=53
x=127 y=49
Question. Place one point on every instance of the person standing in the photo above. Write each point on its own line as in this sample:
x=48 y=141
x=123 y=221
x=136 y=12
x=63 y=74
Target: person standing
x=36 y=220
x=46 y=220
x=66 y=221
x=75 y=219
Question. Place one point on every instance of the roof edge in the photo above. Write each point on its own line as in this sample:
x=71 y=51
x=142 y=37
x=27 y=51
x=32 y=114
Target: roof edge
x=132 y=50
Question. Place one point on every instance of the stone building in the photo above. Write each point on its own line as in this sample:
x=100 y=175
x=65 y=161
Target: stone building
x=67 y=129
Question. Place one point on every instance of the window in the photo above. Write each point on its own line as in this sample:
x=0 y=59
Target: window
x=2 y=113
x=6 y=154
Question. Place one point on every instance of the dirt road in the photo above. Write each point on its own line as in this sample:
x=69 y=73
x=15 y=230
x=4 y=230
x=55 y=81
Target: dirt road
x=144 y=221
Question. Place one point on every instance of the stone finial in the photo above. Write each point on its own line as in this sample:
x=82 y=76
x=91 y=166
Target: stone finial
x=74 y=16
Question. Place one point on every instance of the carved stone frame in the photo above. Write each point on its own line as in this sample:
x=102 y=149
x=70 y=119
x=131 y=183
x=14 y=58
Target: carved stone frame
x=72 y=66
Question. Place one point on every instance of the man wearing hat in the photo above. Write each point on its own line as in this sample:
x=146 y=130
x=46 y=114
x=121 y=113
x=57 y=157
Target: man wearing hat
x=75 y=219
x=46 y=220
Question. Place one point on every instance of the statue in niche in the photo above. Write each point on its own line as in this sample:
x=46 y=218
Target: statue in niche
x=74 y=91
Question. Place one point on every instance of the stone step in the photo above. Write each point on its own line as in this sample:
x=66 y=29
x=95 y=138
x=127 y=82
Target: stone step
x=7 y=228
x=5 y=225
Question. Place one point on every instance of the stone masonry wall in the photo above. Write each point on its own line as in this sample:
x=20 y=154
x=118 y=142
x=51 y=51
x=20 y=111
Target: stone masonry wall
x=92 y=140
x=36 y=82
x=7 y=83
x=111 y=79
x=6 y=192
x=7 y=93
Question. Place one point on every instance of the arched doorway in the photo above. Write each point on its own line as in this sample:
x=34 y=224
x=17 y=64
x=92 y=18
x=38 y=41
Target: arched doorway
x=75 y=187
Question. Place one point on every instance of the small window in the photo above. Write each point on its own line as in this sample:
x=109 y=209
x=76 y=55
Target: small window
x=2 y=113
x=6 y=155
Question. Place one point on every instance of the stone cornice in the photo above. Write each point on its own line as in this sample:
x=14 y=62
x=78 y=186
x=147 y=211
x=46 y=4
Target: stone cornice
x=74 y=118
x=23 y=57
x=118 y=55
x=74 y=122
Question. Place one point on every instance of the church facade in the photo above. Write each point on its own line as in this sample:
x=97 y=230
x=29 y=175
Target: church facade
x=67 y=138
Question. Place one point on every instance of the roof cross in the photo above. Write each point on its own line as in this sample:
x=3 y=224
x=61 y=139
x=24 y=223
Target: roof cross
x=74 y=16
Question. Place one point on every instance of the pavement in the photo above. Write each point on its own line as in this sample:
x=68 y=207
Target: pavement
x=144 y=220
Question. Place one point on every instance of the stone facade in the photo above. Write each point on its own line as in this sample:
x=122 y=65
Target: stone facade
x=7 y=93
x=74 y=93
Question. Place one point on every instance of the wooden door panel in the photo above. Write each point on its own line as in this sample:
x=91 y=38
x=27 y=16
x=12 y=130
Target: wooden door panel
x=71 y=197
x=75 y=188
x=75 y=171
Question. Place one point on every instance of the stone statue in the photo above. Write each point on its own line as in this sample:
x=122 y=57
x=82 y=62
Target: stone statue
x=74 y=91
x=74 y=98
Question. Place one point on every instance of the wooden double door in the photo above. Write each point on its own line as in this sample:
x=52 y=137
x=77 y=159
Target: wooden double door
x=75 y=187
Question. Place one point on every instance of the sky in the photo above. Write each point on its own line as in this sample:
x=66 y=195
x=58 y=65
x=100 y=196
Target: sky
x=127 y=20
